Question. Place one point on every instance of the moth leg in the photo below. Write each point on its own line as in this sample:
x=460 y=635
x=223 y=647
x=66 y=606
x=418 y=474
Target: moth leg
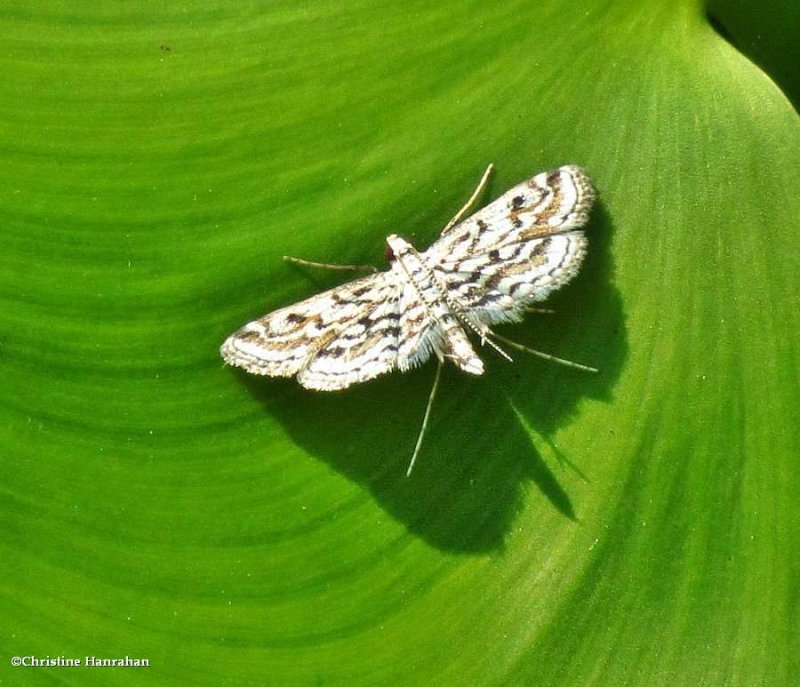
x=330 y=266
x=425 y=418
x=540 y=311
x=474 y=197
x=540 y=354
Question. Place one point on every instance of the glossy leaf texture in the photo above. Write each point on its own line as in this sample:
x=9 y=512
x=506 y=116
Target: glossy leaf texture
x=633 y=527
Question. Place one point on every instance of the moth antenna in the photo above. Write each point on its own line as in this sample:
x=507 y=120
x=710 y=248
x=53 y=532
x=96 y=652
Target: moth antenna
x=486 y=340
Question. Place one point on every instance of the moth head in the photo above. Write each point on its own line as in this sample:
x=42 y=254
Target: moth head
x=395 y=246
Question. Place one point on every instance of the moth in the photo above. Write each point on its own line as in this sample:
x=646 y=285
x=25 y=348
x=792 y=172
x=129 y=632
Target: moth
x=487 y=269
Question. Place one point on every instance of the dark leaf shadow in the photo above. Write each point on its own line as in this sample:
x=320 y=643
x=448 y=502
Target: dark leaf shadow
x=478 y=457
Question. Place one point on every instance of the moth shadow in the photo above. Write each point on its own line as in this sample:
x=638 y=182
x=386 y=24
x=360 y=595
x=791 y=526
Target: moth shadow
x=587 y=325
x=478 y=460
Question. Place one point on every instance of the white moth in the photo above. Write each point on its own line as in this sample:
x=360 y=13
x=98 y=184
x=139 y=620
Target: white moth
x=489 y=268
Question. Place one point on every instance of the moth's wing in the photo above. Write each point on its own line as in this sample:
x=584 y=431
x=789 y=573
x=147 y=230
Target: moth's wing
x=518 y=249
x=343 y=336
x=419 y=332
x=366 y=343
x=550 y=202
x=499 y=285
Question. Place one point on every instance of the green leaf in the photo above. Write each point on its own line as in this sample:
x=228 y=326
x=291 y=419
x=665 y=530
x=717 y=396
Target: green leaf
x=632 y=527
